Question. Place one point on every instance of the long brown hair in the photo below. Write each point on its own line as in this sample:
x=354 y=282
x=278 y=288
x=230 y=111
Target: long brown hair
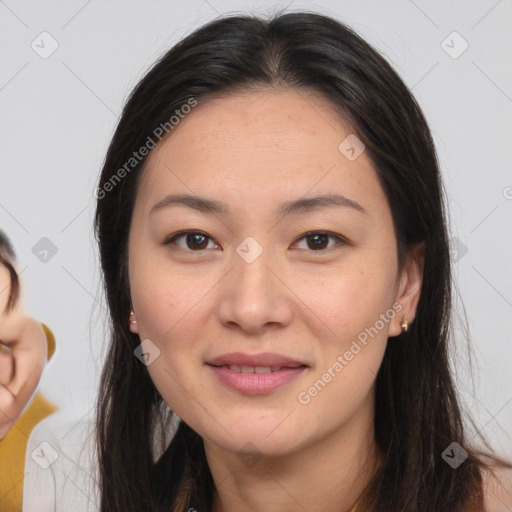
x=417 y=414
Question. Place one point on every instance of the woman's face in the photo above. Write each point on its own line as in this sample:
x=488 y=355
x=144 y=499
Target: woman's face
x=250 y=281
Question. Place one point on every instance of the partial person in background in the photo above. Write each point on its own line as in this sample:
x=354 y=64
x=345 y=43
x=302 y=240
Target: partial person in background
x=25 y=346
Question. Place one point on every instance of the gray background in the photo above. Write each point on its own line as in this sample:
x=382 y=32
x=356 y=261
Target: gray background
x=58 y=115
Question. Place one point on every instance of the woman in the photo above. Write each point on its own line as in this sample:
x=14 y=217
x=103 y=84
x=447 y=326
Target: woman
x=274 y=247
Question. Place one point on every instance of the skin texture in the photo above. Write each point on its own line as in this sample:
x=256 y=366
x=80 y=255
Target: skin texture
x=498 y=490
x=254 y=151
x=22 y=364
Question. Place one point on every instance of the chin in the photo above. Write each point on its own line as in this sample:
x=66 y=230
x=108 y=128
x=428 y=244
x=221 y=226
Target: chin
x=272 y=438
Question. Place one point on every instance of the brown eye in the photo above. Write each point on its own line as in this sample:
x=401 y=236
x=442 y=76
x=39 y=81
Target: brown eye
x=319 y=240
x=194 y=240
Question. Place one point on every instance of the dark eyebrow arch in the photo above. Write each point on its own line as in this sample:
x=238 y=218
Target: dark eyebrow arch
x=299 y=206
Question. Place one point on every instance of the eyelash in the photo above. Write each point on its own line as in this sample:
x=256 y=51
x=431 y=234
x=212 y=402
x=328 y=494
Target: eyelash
x=176 y=236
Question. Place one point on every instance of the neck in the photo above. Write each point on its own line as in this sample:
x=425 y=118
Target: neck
x=329 y=474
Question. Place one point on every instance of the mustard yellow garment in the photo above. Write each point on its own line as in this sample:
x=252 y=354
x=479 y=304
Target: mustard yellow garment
x=13 y=446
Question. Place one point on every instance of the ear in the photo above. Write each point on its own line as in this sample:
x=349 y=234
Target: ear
x=409 y=288
x=133 y=324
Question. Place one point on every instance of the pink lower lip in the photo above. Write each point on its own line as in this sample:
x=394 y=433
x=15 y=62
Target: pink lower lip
x=256 y=383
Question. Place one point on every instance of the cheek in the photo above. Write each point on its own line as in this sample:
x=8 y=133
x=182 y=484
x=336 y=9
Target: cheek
x=352 y=333
x=350 y=350
x=160 y=297
x=358 y=303
x=179 y=388
x=351 y=297
x=167 y=308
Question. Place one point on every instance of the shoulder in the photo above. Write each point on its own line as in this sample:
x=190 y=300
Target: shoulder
x=60 y=468
x=497 y=487
x=50 y=340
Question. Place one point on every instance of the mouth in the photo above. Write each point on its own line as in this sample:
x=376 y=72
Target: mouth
x=255 y=374
x=255 y=369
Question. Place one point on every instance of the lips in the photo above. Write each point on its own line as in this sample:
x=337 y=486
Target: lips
x=264 y=360
x=255 y=374
x=252 y=369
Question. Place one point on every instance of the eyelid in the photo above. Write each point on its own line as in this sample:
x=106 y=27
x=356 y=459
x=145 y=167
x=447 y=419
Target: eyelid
x=330 y=234
x=171 y=238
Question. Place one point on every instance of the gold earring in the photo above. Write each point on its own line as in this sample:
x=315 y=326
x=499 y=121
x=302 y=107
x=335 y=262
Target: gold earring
x=132 y=314
x=405 y=324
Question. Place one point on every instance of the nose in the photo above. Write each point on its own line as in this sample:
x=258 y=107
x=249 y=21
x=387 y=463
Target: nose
x=255 y=296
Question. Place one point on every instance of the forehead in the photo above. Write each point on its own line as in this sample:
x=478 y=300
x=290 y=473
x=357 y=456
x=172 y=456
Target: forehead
x=266 y=144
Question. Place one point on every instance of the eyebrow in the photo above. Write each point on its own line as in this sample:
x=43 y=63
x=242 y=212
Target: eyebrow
x=299 y=206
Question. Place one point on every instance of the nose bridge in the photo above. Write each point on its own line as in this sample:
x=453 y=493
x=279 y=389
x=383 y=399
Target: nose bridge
x=252 y=268
x=254 y=295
